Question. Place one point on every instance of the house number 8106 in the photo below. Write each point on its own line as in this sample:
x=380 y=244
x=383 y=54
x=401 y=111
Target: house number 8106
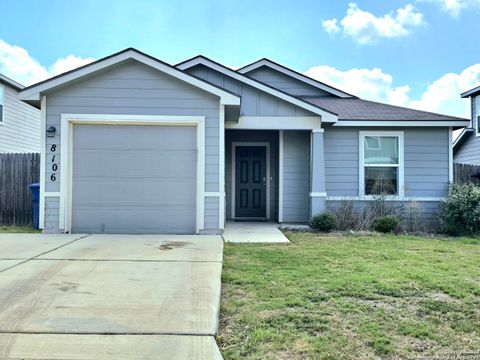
x=53 y=176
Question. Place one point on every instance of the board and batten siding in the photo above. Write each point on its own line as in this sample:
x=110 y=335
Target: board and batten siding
x=296 y=176
x=132 y=88
x=425 y=161
x=20 y=129
x=254 y=101
x=469 y=151
x=284 y=82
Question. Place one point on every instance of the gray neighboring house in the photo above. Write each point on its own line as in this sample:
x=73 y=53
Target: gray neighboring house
x=19 y=122
x=141 y=146
x=466 y=148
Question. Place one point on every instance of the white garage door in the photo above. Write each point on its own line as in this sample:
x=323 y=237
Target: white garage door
x=134 y=179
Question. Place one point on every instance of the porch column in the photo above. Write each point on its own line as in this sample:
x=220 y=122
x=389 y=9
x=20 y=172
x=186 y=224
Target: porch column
x=317 y=173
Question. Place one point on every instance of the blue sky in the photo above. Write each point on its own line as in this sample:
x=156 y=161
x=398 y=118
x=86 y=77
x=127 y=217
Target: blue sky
x=399 y=48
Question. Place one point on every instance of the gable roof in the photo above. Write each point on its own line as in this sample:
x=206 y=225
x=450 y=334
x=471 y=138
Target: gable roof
x=33 y=93
x=12 y=83
x=460 y=140
x=296 y=75
x=471 y=92
x=359 y=109
x=327 y=116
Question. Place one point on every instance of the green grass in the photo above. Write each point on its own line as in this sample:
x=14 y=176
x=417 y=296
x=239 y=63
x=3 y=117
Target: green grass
x=18 y=229
x=350 y=297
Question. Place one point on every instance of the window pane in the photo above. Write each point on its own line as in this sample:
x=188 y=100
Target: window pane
x=381 y=180
x=381 y=150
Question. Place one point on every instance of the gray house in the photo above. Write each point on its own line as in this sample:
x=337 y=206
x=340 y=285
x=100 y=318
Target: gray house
x=466 y=148
x=19 y=122
x=131 y=144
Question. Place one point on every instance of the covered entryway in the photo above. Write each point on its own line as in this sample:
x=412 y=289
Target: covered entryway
x=134 y=179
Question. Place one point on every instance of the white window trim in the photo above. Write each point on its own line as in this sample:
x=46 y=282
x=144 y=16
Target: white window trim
x=400 y=166
x=476 y=115
x=2 y=103
x=267 y=148
x=67 y=122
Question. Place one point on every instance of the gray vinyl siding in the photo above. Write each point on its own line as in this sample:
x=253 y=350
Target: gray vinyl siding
x=52 y=205
x=469 y=151
x=296 y=176
x=252 y=136
x=132 y=88
x=425 y=161
x=20 y=128
x=285 y=83
x=417 y=215
x=211 y=213
x=254 y=102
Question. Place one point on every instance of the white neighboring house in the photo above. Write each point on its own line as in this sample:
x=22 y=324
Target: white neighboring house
x=19 y=122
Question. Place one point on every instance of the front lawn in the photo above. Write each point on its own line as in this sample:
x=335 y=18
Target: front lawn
x=18 y=229
x=351 y=297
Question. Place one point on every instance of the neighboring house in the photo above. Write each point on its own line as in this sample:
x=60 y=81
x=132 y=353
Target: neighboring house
x=19 y=122
x=145 y=147
x=466 y=148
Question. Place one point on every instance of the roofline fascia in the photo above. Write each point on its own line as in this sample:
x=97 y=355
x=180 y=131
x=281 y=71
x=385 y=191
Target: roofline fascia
x=470 y=92
x=10 y=82
x=34 y=92
x=403 y=123
x=327 y=116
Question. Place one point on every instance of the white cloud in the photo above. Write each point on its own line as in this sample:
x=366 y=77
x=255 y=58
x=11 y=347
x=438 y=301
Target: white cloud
x=364 y=27
x=454 y=7
x=442 y=95
x=19 y=65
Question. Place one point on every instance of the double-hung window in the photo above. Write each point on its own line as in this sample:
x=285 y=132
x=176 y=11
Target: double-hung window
x=1 y=104
x=381 y=163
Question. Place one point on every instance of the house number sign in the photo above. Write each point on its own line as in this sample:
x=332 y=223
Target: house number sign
x=54 y=165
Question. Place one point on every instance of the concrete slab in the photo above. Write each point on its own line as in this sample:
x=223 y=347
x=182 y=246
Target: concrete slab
x=143 y=247
x=120 y=297
x=5 y=264
x=253 y=232
x=26 y=246
x=107 y=347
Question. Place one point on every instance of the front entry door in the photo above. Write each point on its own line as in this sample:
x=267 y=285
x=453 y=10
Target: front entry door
x=250 y=182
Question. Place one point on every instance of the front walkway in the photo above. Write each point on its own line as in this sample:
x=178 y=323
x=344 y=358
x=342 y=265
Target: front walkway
x=109 y=296
x=253 y=232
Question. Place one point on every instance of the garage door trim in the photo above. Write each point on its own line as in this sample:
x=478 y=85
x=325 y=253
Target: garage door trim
x=66 y=169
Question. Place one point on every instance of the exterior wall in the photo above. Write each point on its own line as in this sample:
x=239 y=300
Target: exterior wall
x=285 y=83
x=20 y=129
x=133 y=88
x=469 y=151
x=252 y=136
x=254 y=102
x=296 y=176
x=426 y=163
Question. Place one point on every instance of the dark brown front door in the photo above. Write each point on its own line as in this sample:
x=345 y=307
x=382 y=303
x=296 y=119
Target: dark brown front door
x=250 y=182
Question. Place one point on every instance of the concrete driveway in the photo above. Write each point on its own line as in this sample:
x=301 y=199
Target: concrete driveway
x=109 y=296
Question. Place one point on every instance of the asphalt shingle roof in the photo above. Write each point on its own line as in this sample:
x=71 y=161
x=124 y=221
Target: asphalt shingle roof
x=359 y=109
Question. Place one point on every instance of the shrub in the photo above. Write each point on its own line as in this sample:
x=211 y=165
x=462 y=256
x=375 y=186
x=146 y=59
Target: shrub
x=461 y=211
x=325 y=222
x=385 y=224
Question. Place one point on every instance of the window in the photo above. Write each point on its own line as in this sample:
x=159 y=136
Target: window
x=381 y=163
x=1 y=104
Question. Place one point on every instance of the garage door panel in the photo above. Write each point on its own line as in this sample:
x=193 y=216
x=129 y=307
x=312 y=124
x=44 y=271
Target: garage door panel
x=134 y=179
x=134 y=137
x=94 y=163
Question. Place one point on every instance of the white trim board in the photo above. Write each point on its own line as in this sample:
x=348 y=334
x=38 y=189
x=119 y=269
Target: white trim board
x=33 y=93
x=280 y=176
x=450 y=155
x=327 y=116
x=387 y=198
x=43 y=159
x=373 y=123
x=399 y=166
x=293 y=74
x=275 y=123
x=221 y=167
x=267 y=200
x=67 y=122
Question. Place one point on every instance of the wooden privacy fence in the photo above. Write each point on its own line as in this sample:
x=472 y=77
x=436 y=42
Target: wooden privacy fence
x=464 y=173
x=17 y=171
